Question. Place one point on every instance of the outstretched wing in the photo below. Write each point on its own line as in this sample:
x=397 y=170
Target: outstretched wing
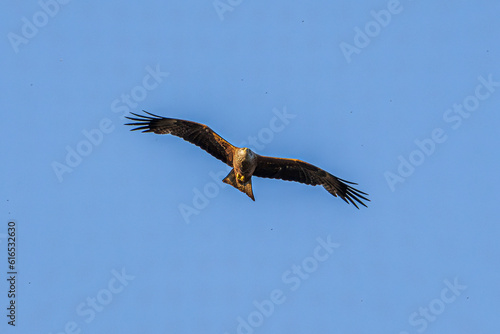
x=195 y=133
x=303 y=172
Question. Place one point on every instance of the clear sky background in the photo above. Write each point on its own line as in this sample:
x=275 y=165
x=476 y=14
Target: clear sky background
x=124 y=232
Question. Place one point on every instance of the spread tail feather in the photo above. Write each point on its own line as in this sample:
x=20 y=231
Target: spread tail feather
x=245 y=187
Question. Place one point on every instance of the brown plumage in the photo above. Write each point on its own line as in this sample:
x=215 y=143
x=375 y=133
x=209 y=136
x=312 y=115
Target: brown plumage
x=245 y=162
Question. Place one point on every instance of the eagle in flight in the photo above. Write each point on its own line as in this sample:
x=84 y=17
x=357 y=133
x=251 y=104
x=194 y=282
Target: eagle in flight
x=245 y=162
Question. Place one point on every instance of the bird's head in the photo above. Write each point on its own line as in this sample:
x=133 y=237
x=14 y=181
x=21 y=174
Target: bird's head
x=248 y=152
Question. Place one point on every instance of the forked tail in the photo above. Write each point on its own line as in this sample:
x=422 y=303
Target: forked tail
x=245 y=187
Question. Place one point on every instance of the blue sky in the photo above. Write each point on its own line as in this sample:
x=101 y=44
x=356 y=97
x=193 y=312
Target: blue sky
x=119 y=231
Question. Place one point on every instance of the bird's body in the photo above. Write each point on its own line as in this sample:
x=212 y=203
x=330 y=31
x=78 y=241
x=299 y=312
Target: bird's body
x=245 y=162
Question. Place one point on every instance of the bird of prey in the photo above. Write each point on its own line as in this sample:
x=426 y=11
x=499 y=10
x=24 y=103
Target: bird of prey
x=244 y=162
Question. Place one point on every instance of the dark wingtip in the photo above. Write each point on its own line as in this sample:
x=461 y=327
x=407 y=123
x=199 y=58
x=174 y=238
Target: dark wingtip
x=151 y=114
x=143 y=122
x=351 y=195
